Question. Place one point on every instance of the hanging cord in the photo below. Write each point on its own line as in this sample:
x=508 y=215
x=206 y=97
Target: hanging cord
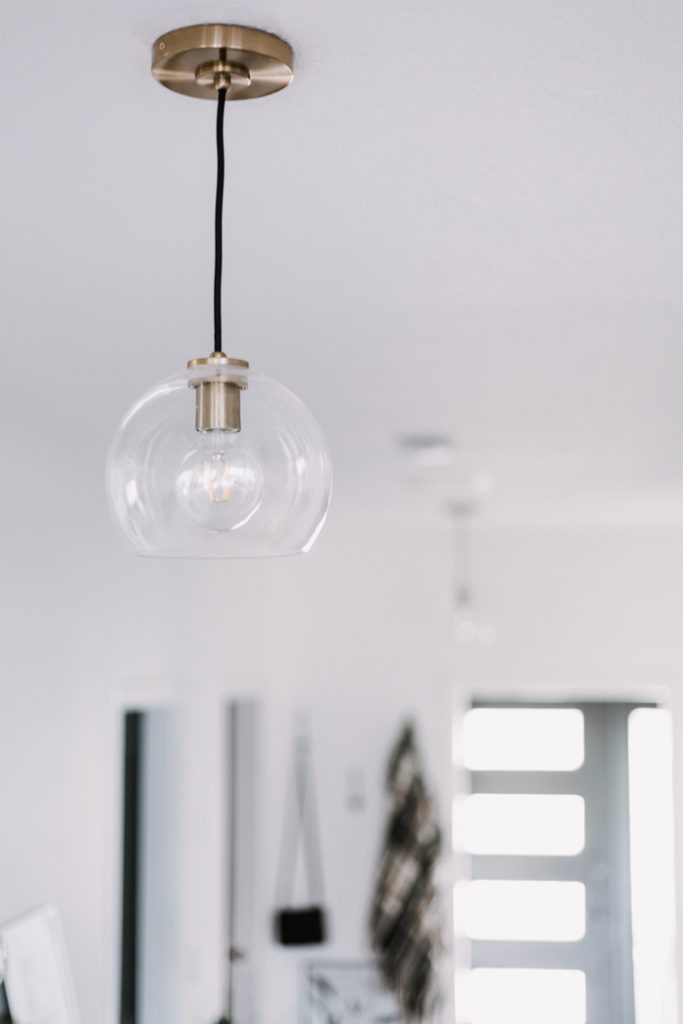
x=304 y=827
x=462 y=555
x=220 y=182
x=309 y=821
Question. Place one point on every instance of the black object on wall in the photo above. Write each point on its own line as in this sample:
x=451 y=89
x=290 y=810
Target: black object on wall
x=300 y=926
x=133 y=749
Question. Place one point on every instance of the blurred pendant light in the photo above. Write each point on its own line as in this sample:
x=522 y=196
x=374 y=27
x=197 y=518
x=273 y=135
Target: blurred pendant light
x=218 y=461
x=468 y=625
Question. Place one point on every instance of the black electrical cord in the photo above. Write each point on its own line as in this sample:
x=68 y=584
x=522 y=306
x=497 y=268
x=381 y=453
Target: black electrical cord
x=220 y=182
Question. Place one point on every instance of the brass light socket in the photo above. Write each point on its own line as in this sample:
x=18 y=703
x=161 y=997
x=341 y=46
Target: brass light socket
x=218 y=396
x=218 y=406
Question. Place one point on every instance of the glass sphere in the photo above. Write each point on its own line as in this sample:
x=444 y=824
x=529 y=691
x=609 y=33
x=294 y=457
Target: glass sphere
x=176 y=491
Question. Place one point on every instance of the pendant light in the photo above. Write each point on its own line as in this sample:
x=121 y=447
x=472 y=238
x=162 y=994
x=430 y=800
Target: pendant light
x=468 y=625
x=218 y=461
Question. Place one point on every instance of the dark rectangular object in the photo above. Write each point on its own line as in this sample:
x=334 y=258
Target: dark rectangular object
x=5 y=1015
x=132 y=783
x=304 y=926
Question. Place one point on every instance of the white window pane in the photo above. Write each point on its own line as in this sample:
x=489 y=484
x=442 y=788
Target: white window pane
x=504 y=996
x=521 y=911
x=496 y=823
x=652 y=867
x=523 y=739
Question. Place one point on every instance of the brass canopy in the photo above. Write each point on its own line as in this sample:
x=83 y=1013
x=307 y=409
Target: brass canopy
x=201 y=59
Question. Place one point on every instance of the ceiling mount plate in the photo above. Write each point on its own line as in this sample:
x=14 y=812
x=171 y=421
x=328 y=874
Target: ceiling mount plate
x=200 y=59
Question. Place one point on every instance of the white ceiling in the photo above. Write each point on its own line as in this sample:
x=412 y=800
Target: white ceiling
x=463 y=217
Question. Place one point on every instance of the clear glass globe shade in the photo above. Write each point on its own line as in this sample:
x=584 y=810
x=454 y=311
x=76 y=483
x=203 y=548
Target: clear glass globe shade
x=220 y=483
x=173 y=493
x=469 y=627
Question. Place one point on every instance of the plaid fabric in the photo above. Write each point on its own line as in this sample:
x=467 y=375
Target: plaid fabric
x=404 y=920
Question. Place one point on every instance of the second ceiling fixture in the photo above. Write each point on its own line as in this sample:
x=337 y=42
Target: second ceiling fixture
x=218 y=461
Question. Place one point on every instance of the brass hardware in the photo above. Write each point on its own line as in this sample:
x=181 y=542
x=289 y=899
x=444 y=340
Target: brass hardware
x=221 y=80
x=217 y=358
x=218 y=405
x=218 y=74
x=218 y=397
x=246 y=61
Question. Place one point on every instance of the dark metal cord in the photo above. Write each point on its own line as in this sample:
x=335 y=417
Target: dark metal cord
x=220 y=181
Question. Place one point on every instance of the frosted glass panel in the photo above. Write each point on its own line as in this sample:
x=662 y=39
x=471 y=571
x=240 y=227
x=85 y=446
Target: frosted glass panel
x=524 y=824
x=523 y=739
x=498 y=996
x=522 y=911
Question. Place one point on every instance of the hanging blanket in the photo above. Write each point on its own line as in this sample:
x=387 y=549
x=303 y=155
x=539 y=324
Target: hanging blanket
x=404 y=920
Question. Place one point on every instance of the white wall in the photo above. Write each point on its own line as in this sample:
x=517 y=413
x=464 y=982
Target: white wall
x=357 y=633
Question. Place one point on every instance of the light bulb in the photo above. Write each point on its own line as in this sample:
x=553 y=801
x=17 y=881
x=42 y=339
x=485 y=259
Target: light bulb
x=220 y=481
